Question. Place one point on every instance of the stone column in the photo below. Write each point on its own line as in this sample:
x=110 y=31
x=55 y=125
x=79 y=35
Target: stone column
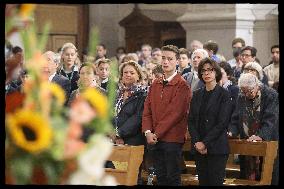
x=218 y=22
x=266 y=31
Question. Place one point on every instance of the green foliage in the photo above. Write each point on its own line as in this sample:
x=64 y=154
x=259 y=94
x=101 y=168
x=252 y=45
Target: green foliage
x=93 y=42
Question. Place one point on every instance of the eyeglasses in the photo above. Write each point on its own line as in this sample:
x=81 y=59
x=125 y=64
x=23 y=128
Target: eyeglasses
x=246 y=55
x=247 y=92
x=248 y=70
x=207 y=70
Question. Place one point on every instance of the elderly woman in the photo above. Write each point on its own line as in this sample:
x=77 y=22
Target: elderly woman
x=256 y=69
x=192 y=77
x=207 y=124
x=255 y=119
x=69 y=68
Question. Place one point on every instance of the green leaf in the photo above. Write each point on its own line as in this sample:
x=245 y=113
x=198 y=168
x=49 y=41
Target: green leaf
x=112 y=86
x=43 y=39
x=93 y=42
x=50 y=171
x=22 y=169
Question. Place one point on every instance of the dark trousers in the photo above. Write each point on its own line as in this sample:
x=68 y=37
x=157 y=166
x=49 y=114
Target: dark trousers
x=166 y=159
x=211 y=169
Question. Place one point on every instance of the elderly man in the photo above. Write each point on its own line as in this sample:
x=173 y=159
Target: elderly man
x=192 y=77
x=50 y=69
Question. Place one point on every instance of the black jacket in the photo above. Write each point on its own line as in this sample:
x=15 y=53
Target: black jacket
x=129 y=119
x=216 y=121
x=74 y=79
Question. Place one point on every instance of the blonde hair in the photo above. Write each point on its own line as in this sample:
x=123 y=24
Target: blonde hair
x=68 y=45
x=135 y=65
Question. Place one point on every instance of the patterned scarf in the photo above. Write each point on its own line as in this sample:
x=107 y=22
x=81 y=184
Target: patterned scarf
x=130 y=91
x=251 y=124
x=251 y=115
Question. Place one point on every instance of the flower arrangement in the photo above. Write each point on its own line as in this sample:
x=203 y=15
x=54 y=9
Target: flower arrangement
x=42 y=135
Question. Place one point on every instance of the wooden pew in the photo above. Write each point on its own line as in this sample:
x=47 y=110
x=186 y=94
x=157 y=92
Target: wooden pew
x=133 y=155
x=266 y=149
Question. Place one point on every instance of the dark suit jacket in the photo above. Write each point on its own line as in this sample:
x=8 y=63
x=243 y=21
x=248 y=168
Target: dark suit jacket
x=64 y=83
x=217 y=120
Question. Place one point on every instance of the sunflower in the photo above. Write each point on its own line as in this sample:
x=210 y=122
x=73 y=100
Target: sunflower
x=29 y=131
x=97 y=100
x=55 y=90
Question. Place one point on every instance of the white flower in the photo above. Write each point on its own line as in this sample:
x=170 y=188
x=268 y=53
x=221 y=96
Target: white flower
x=80 y=177
x=93 y=159
x=91 y=163
x=109 y=181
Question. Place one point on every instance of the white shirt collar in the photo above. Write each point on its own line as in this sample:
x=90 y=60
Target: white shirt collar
x=105 y=80
x=172 y=76
x=51 y=77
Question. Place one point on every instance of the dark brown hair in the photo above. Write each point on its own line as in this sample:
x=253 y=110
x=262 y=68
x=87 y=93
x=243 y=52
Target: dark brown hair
x=185 y=51
x=215 y=66
x=171 y=48
x=239 y=40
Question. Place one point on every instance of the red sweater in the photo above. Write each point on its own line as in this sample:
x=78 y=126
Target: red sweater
x=166 y=109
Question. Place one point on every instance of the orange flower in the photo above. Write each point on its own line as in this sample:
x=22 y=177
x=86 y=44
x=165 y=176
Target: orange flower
x=26 y=10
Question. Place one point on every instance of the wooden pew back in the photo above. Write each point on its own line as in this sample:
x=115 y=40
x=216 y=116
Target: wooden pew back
x=133 y=155
x=266 y=149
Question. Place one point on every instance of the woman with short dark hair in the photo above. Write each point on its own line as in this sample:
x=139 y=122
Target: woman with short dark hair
x=207 y=124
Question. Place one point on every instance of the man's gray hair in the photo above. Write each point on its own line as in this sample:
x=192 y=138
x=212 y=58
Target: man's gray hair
x=248 y=80
x=255 y=66
x=55 y=56
x=202 y=51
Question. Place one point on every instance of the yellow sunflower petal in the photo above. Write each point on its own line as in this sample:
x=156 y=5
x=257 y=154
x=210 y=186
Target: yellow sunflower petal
x=35 y=123
x=55 y=90
x=97 y=100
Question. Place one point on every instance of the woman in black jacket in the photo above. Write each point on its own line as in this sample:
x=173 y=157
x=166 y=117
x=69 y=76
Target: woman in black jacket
x=207 y=124
x=129 y=107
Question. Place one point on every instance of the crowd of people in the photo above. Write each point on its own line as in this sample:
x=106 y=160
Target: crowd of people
x=164 y=94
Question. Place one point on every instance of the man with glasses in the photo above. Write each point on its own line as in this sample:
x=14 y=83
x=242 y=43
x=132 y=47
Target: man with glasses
x=248 y=54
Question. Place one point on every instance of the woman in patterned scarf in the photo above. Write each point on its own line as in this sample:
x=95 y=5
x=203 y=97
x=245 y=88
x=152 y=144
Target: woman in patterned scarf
x=129 y=107
x=255 y=119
